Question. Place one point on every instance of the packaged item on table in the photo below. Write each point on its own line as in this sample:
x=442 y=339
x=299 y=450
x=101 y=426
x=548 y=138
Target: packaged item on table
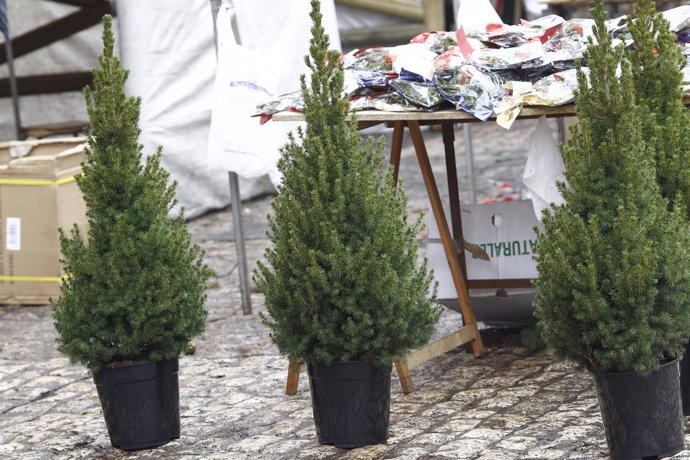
x=469 y=89
x=568 y=44
x=553 y=90
x=437 y=42
x=539 y=30
x=291 y=101
x=417 y=90
x=451 y=58
x=508 y=58
x=387 y=102
x=618 y=27
x=372 y=59
x=545 y=27
x=678 y=18
x=414 y=58
x=368 y=79
x=508 y=107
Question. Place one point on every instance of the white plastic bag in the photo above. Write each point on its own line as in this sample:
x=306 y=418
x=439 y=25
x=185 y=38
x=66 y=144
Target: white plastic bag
x=474 y=15
x=245 y=77
x=543 y=169
x=266 y=63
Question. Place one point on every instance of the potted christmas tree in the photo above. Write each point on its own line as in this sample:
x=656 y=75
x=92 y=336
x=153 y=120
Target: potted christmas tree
x=343 y=291
x=614 y=261
x=657 y=69
x=134 y=293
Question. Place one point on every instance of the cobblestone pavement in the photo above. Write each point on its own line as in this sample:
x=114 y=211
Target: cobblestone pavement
x=506 y=405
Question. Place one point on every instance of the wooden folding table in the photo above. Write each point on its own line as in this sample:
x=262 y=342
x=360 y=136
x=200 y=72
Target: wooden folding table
x=451 y=236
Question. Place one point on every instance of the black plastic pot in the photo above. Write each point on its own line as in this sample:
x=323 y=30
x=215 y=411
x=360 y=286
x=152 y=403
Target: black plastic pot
x=351 y=402
x=642 y=415
x=685 y=379
x=141 y=403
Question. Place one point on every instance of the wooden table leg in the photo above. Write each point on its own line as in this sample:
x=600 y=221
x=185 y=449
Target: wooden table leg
x=404 y=376
x=396 y=148
x=452 y=174
x=449 y=247
x=294 y=369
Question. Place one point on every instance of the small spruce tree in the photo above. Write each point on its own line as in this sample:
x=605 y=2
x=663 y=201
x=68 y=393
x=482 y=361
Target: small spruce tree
x=657 y=63
x=614 y=260
x=341 y=281
x=135 y=290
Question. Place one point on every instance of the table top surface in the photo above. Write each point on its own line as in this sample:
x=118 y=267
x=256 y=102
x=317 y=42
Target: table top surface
x=586 y=2
x=458 y=116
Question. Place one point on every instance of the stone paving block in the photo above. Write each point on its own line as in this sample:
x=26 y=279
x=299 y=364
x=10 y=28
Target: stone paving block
x=317 y=452
x=540 y=453
x=507 y=421
x=441 y=411
x=478 y=413
x=286 y=448
x=399 y=435
x=504 y=381
x=403 y=408
x=254 y=444
x=516 y=443
x=497 y=454
x=415 y=422
x=374 y=452
x=464 y=448
x=467 y=397
x=434 y=439
x=410 y=453
x=487 y=434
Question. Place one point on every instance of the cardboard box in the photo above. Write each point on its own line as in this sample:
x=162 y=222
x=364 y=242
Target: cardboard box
x=505 y=230
x=38 y=194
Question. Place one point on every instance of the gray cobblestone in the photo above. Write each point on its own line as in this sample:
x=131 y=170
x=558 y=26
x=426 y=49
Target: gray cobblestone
x=506 y=405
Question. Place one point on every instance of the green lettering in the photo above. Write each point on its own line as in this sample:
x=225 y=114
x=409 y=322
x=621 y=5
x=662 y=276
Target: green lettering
x=483 y=246
x=516 y=248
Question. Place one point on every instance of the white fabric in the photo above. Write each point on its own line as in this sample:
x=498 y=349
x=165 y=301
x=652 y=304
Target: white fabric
x=474 y=15
x=167 y=45
x=543 y=169
x=274 y=37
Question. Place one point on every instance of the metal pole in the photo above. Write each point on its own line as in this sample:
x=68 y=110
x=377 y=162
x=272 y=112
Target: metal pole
x=560 y=121
x=236 y=207
x=469 y=155
x=13 y=88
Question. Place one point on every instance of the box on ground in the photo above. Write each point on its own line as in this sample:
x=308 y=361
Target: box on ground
x=38 y=194
x=505 y=230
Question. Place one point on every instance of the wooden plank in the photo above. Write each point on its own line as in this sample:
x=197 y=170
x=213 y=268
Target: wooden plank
x=52 y=129
x=404 y=376
x=79 y=3
x=434 y=15
x=448 y=135
x=48 y=84
x=405 y=9
x=437 y=348
x=438 y=116
x=456 y=116
x=56 y=30
x=588 y=2
x=449 y=248
x=505 y=283
x=379 y=35
x=396 y=148
x=294 y=368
